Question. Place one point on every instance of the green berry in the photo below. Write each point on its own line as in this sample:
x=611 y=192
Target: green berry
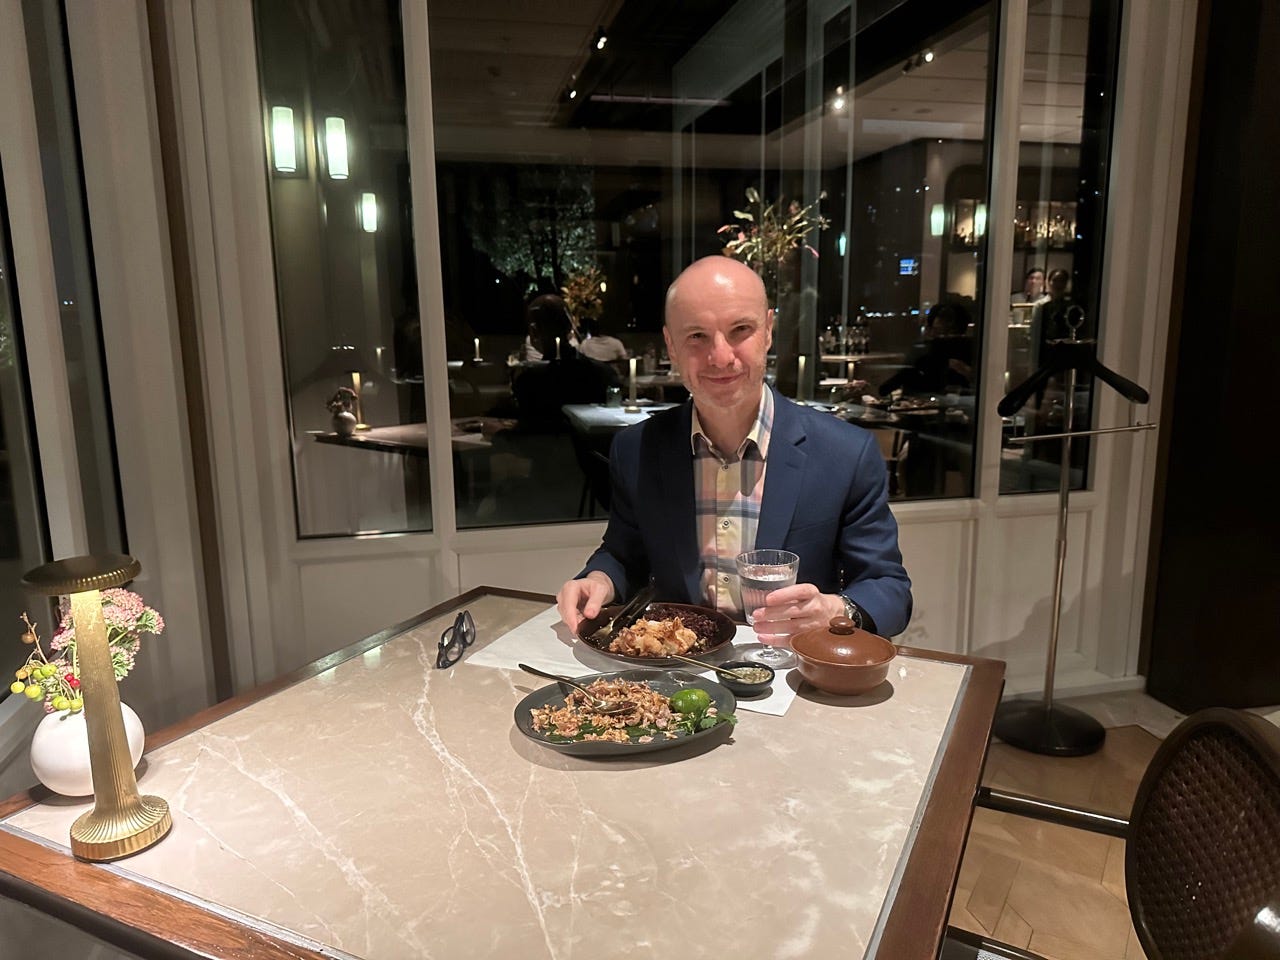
x=76 y=704
x=61 y=703
x=17 y=686
x=34 y=692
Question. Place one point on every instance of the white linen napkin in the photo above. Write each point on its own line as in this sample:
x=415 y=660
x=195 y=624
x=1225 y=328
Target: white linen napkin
x=544 y=641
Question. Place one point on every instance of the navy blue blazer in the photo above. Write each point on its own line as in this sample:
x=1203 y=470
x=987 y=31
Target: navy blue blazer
x=825 y=499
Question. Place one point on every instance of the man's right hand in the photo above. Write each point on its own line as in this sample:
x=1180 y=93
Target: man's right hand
x=583 y=599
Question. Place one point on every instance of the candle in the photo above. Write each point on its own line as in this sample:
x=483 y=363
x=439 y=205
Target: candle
x=631 y=397
x=557 y=348
x=477 y=348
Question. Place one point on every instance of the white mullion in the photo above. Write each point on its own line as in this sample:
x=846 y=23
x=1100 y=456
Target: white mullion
x=37 y=293
x=1011 y=48
x=428 y=263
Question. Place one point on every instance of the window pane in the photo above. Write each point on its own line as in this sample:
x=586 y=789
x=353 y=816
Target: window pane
x=1067 y=94
x=73 y=272
x=583 y=162
x=341 y=217
x=24 y=532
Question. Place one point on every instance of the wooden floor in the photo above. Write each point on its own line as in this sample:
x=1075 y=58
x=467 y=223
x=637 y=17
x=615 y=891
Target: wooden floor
x=1051 y=890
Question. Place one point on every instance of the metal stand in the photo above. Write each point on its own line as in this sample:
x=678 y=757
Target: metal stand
x=1043 y=726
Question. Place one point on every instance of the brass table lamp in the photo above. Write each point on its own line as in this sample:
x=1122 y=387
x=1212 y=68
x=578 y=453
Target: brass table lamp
x=121 y=822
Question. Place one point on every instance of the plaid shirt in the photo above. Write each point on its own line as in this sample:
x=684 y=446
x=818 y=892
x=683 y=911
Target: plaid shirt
x=727 y=490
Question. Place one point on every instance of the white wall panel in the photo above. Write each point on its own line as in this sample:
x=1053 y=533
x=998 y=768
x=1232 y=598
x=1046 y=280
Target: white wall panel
x=540 y=570
x=1016 y=595
x=343 y=601
x=939 y=559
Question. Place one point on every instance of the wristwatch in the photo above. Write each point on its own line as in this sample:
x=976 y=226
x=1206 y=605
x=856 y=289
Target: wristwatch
x=852 y=611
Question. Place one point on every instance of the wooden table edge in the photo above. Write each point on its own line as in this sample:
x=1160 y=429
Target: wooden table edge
x=129 y=915
x=918 y=920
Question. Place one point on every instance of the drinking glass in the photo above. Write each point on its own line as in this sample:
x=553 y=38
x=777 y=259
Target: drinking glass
x=760 y=572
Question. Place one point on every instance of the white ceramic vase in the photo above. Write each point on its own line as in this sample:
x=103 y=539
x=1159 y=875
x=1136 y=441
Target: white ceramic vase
x=60 y=750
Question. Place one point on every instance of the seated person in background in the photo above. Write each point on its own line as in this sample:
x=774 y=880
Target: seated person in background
x=1032 y=288
x=943 y=361
x=599 y=345
x=741 y=467
x=1049 y=319
x=541 y=391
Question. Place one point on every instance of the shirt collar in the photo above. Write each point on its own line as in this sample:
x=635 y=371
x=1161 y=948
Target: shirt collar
x=757 y=435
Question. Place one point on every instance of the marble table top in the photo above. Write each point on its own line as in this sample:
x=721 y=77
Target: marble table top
x=385 y=809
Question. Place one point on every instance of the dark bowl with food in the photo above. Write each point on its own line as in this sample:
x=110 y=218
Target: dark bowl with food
x=714 y=630
x=757 y=677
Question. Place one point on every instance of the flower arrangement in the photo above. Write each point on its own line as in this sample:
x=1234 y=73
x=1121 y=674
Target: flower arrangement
x=769 y=233
x=342 y=401
x=55 y=677
x=581 y=293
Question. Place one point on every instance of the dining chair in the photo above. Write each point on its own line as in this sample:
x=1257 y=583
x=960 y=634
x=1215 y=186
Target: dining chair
x=1202 y=845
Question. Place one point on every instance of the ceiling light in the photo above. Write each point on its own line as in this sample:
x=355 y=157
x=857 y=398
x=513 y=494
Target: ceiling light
x=838 y=102
x=572 y=94
x=601 y=38
x=928 y=56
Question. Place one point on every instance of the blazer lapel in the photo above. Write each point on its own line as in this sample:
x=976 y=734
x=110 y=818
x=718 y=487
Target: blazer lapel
x=782 y=477
x=677 y=508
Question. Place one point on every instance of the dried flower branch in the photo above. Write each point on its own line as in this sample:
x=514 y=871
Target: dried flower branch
x=766 y=236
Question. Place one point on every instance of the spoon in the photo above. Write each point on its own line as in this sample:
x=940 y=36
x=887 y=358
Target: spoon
x=596 y=703
x=711 y=666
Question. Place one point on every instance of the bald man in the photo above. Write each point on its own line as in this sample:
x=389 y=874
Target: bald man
x=738 y=468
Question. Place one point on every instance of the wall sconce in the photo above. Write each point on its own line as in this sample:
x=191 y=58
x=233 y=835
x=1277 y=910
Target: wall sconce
x=284 y=147
x=842 y=243
x=980 y=220
x=937 y=220
x=335 y=147
x=369 y=212
x=122 y=822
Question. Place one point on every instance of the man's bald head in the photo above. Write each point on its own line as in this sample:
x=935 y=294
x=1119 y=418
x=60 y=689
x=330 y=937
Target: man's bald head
x=712 y=275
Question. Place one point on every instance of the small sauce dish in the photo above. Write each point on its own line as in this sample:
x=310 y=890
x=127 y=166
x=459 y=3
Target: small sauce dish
x=762 y=677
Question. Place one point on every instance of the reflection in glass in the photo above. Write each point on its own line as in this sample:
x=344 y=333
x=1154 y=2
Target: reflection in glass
x=23 y=530
x=593 y=176
x=1068 y=83
x=341 y=212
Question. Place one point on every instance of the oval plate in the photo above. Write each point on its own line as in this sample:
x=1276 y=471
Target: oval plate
x=665 y=682
x=726 y=629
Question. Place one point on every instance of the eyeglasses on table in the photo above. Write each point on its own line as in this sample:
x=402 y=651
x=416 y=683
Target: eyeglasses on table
x=455 y=640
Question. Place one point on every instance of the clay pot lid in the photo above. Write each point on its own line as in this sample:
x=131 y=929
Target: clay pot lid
x=843 y=643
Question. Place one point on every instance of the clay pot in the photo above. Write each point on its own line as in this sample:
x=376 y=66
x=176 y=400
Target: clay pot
x=842 y=659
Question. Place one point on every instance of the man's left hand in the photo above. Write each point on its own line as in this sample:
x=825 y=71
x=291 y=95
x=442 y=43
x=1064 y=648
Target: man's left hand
x=794 y=610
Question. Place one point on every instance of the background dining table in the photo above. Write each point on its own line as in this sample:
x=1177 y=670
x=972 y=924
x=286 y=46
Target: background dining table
x=372 y=805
